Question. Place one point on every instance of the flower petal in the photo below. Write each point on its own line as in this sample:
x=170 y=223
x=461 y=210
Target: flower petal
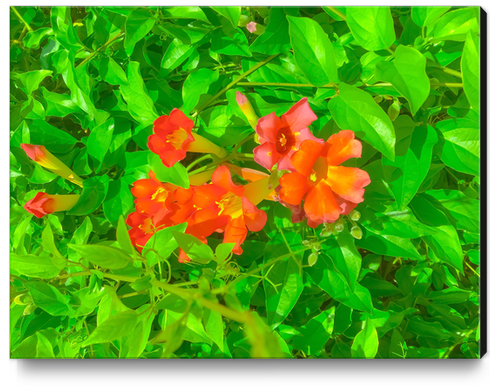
x=179 y=119
x=236 y=232
x=348 y=183
x=304 y=159
x=266 y=155
x=293 y=188
x=342 y=146
x=268 y=126
x=222 y=178
x=345 y=205
x=144 y=188
x=320 y=205
x=299 y=116
x=207 y=195
x=254 y=217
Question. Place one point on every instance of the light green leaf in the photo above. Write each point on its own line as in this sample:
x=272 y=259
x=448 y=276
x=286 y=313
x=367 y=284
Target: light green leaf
x=106 y=257
x=313 y=51
x=122 y=236
x=93 y=193
x=176 y=175
x=138 y=23
x=42 y=267
x=470 y=69
x=423 y=16
x=407 y=74
x=356 y=110
x=455 y=25
x=461 y=149
x=113 y=328
x=163 y=242
x=372 y=27
x=193 y=247
x=365 y=344
x=231 y=13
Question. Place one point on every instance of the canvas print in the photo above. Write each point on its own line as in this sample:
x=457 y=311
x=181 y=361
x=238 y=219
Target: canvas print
x=245 y=182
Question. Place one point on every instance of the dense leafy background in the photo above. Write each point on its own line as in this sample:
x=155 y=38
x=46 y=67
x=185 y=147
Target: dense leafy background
x=88 y=82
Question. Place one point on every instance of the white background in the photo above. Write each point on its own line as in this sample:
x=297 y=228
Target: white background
x=212 y=372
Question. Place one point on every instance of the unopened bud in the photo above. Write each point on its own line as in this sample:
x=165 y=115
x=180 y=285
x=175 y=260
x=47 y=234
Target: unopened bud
x=22 y=299
x=339 y=225
x=378 y=98
x=394 y=110
x=306 y=243
x=356 y=232
x=29 y=309
x=247 y=109
x=317 y=247
x=327 y=230
x=355 y=215
x=312 y=259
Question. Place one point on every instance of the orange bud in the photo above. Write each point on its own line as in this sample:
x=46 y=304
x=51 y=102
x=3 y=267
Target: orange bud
x=43 y=157
x=43 y=203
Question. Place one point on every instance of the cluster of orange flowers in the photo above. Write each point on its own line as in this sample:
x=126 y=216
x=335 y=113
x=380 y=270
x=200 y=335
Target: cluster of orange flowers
x=313 y=185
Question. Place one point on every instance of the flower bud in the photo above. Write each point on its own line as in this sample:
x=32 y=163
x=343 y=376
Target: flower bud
x=247 y=109
x=306 y=243
x=43 y=157
x=317 y=246
x=339 y=225
x=43 y=203
x=244 y=20
x=356 y=232
x=312 y=259
x=327 y=230
x=29 y=309
x=355 y=215
x=22 y=299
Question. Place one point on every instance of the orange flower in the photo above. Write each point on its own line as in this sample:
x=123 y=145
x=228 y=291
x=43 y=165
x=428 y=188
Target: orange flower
x=43 y=157
x=43 y=203
x=328 y=189
x=173 y=138
x=233 y=205
x=281 y=137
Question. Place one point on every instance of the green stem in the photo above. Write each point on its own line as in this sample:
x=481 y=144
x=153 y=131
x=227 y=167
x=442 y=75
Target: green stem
x=452 y=72
x=238 y=79
x=338 y=13
x=265 y=84
x=88 y=58
x=21 y=19
x=192 y=295
x=195 y=162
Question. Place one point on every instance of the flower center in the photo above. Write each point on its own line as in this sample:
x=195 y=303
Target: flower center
x=160 y=195
x=319 y=170
x=177 y=138
x=285 y=140
x=230 y=205
x=145 y=226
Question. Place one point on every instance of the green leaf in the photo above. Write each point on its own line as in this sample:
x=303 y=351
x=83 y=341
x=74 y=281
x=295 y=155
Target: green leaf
x=213 y=324
x=41 y=267
x=99 y=140
x=163 y=242
x=407 y=74
x=181 y=12
x=365 y=344
x=223 y=251
x=49 y=245
x=138 y=23
x=93 y=193
x=230 y=41
x=444 y=243
x=195 y=86
x=30 y=81
x=33 y=39
x=461 y=149
x=55 y=140
x=231 y=13
x=465 y=210
x=113 y=328
x=372 y=27
x=275 y=39
x=119 y=200
x=455 y=25
x=313 y=51
x=106 y=257
x=423 y=16
x=284 y=280
x=59 y=105
x=388 y=245
x=177 y=52
x=122 y=236
x=354 y=109
x=412 y=161
x=176 y=175
x=193 y=247
x=111 y=72
x=48 y=298
x=63 y=27
x=35 y=346
x=316 y=332
x=470 y=69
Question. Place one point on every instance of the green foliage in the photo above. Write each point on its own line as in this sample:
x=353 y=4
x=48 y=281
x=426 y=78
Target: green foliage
x=88 y=82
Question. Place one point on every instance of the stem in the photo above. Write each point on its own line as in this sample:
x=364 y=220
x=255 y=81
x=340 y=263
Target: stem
x=99 y=49
x=186 y=294
x=245 y=74
x=265 y=84
x=21 y=19
x=195 y=162
x=447 y=84
x=448 y=351
x=338 y=13
x=470 y=267
x=452 y=72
